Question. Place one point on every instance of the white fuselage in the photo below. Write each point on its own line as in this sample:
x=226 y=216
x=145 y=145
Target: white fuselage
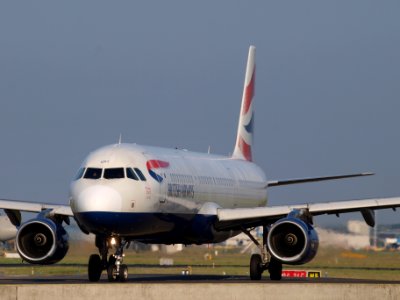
x=177 y=188
x=7 y=230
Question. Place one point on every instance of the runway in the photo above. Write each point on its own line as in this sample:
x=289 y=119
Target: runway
x=192 y=287
x=181 y=279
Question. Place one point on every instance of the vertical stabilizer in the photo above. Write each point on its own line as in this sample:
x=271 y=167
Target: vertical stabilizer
x=244 y=138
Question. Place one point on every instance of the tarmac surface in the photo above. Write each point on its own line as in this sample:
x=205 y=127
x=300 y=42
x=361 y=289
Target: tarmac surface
x=194 y=287
x=173 y=278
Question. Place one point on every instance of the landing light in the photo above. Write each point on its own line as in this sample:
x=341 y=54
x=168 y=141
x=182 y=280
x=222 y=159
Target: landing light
x=113 y=241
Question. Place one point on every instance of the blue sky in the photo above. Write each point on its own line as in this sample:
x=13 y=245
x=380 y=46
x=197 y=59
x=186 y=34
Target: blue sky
x=76 y=74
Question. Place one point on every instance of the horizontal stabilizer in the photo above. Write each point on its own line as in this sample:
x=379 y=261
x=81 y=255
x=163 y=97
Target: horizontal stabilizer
x=315 y=179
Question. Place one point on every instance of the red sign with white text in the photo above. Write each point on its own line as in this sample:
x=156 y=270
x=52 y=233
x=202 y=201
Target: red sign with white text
x=294 y=273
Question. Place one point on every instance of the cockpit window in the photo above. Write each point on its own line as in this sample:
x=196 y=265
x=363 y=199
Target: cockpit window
x=114 y=173
x=79 y=174
x=131 y=174
x=93 y=173
x=140 y=174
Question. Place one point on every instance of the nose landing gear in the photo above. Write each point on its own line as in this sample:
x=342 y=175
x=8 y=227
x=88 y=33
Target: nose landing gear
x=95 y=267
x=116 y=271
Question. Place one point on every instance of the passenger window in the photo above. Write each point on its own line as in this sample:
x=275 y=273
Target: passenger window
x=131 y=174
x=79 y=174
x=114 y=173
x=140 y=174
x=93 y=173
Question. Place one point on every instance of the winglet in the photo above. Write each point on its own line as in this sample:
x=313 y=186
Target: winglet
x=244 y=138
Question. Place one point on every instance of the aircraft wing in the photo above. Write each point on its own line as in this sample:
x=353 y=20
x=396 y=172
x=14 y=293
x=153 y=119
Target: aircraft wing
x=13 y=209
x=239 y=218
x=58 y=209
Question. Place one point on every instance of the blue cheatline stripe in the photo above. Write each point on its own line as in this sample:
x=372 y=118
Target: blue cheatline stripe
x=155 y=176
x=154 y=227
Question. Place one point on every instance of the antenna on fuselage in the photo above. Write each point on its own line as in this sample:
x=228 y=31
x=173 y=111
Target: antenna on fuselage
x=120 y=139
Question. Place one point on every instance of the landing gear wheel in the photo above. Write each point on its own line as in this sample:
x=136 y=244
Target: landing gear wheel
x=255 y=267
x=275 y=269
x=123 y=273
x=94 y=268
x=111 y=260
x=112 y=273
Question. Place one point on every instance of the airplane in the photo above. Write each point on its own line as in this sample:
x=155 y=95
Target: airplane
x=7 y=230
x=129 y=192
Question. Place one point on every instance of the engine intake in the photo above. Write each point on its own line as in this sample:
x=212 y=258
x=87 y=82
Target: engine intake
x=42 y=241
x=292 y=241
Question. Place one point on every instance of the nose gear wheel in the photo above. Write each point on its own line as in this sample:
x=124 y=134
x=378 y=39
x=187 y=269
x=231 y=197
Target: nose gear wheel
x=116 y=271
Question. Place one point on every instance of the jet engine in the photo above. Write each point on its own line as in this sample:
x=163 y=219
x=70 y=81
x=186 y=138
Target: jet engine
x=42 y=241
x=292 y=241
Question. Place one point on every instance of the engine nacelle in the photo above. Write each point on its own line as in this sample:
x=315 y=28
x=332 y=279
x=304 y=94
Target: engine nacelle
x=42 y=241
x=292 y=241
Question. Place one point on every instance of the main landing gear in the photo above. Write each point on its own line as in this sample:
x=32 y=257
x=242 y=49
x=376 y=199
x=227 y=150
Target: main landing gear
x=264 y=261
x=116 y=271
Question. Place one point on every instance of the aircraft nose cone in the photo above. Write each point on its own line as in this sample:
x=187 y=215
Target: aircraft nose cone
x=97 y=198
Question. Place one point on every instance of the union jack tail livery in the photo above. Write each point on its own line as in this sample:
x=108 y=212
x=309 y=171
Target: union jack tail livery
x=244 y=139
